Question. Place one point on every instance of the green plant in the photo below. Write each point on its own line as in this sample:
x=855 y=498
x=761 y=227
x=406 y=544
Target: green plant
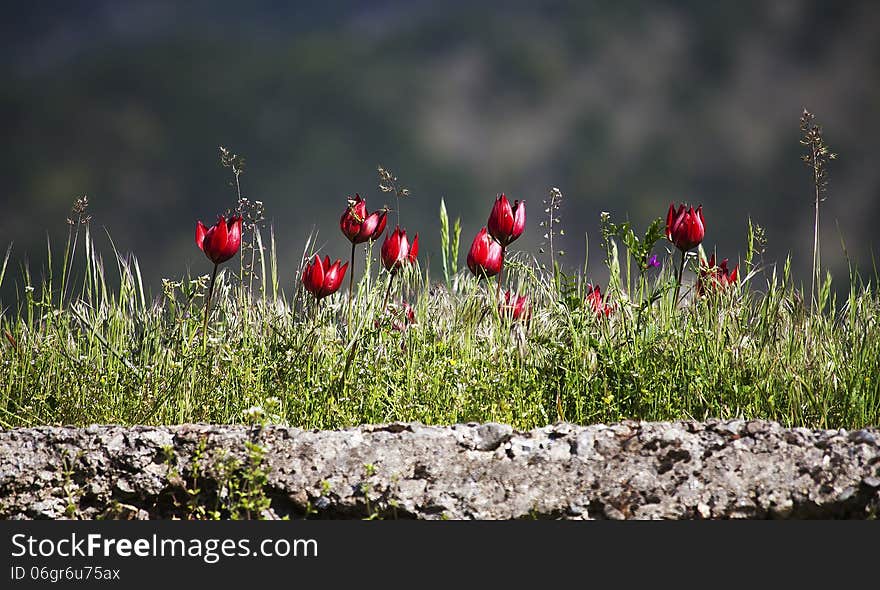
x=449 y=244
x=817 y=157
x=552 y=205
x=222 y=486
x=72 y=492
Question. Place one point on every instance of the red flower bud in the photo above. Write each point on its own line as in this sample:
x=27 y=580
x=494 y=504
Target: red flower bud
x=485 y=256
x=685 y=228
x=716 y=278
x=515 y=306
x=507 y=223
x=221 y=241
x=396 y=249
x=322 y=278
x=357 y=225
x=597 y=302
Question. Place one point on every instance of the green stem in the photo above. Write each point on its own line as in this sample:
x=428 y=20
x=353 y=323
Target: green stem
x=350 y=282
x=500 y=274
x=678 y=279
x=208 y=306
x=815 y=278
x=387 y=293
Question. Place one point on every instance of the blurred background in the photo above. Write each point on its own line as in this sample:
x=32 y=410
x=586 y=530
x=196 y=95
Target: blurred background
x=625 y=106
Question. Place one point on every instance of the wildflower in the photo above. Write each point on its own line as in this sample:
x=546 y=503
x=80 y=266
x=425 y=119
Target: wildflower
x=322 y=278
x=221 y=241
x=652 y=262
x=396 y=250
x=685 y=228
x=506 y=222
x=716 y=278
x=514 y=306
x=597 y=302
x=486 y=255
x=357 y=225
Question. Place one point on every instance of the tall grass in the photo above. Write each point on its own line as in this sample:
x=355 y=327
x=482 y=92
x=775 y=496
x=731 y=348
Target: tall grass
x=96 y=347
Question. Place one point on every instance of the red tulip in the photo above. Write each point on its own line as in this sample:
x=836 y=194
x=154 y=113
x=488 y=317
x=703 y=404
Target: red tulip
x=507 y=223
x=685 y=228
x=357 y=225
x=221 y=241
x=485 y=256
x=596 y=301
x=716 y=278
x=515 y=306
x=396 y=249
x=322 y=278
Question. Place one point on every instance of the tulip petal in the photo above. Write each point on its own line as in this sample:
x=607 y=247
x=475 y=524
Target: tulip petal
x=519 y=219
x=380 y=226
x=201 y=230
x=368 y=227
x=333 y=278
x=391 y=249
x=414 y=249
x=233 y=238
x=485 y=256
x=306 y=277
x=404 y=247
x=317 y=275
x=331 y=272
x=501 y=220
x=340 y=275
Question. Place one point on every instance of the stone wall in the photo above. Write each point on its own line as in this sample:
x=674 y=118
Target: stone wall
x=735 y=469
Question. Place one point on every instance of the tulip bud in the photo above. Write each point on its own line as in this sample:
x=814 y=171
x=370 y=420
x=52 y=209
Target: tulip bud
x=396 y=250
x=485 y=256
x=685 y=228
x=221 y=241
x=507 y=223
x=321 y=278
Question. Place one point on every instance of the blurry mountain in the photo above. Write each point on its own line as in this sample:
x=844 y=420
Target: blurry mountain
x=624 y=106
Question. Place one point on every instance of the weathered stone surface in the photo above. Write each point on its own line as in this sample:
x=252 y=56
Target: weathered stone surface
x=735 y=469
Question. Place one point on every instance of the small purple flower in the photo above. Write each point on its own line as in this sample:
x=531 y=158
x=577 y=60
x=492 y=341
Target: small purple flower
x=652 y=262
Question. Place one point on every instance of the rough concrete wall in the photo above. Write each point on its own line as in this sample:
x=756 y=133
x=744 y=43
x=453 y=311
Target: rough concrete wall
x=638 y=470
